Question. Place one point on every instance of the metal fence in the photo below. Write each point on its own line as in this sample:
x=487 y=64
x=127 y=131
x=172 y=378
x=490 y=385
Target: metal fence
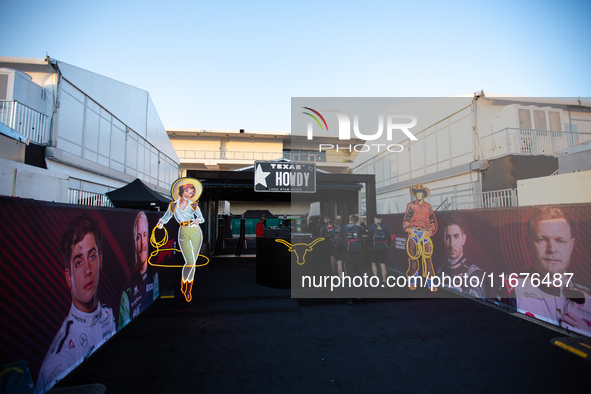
x=232 y=155
x=512 y=141
x=316 y=157
x=84 y=197
x=494 y=199
x=26 y=121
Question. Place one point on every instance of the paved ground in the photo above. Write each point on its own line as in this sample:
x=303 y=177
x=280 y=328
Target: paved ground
x=237 y=336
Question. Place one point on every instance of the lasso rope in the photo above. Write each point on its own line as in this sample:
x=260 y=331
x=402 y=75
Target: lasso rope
x=157 y=245
x=420 y=246
x=422 y=254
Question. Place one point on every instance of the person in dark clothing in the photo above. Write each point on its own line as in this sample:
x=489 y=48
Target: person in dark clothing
x=378 y=242
x=351 y=247
x=328 y=232
x=337 y=248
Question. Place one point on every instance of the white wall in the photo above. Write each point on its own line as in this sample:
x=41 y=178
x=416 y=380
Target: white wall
x=255 y=145
x=579 y=122
x=443 y=145
x=440 y=190
x=112 y=126
x=86 y=129
x=556 y=189
x=86 y=180
x=21 y=180
x=11 y=149
x=189 y=143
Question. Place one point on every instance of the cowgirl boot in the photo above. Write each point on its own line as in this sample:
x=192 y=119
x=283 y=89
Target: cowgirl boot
x=184 y=287
x=412 y=273
x=189 y=288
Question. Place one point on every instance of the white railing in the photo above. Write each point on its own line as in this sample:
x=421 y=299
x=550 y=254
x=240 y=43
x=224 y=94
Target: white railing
x=233 y=155
x=84 y=197
x=26 y=121
x=494 y=199
x=315 y=157
x=511 y=141
x=345 y=156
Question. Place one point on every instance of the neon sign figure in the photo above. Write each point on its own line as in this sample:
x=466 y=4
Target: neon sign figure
x=300 y=249
x=420 y=224
x=187 y=213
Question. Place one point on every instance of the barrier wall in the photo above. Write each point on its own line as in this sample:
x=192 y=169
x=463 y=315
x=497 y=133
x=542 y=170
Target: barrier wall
x=40 y=326
x=43 y=306
x=513 y=262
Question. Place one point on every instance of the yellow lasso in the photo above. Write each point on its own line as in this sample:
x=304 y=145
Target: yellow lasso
x=420 y=247
x=157 y=245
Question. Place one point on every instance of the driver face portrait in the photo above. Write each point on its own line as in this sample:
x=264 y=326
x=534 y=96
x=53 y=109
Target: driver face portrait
x=551 y=243
x=83 y=273
x=454 y=241
x=141 y=241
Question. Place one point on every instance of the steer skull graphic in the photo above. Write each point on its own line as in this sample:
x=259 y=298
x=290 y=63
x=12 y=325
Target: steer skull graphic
x=300 y=249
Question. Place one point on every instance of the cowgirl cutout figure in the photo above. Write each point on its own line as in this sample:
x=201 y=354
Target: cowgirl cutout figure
x=187 y=213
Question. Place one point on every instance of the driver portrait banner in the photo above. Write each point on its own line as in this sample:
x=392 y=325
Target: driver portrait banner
x=72 y=277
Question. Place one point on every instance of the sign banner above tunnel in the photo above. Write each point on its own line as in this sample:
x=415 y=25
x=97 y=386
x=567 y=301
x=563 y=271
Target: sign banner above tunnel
x=287 y=177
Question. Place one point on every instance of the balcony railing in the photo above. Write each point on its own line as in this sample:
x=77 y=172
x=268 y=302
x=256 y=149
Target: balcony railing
x=84 y=197
x=494 y=199
x=26 y=121
x=311 y=156
x=512 y=141
x=319 y=157
x=232 y=155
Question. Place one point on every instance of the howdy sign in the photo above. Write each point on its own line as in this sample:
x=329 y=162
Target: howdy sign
x=284 y=177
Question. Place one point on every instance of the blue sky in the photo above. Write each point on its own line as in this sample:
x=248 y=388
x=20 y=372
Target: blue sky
x=231 y=65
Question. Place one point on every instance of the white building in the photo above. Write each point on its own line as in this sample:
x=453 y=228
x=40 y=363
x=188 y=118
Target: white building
x=227 y=150
x=474 y=149
x=86 y=132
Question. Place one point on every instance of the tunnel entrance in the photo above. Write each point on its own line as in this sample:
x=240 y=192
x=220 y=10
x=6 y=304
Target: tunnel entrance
x=336 y=193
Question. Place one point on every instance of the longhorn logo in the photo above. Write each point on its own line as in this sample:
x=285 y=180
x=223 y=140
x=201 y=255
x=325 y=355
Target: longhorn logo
x=300 y=249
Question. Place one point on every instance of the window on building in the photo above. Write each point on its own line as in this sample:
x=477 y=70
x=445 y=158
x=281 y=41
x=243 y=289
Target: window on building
x=555 y=123
x=304 y=155
x=540 y=119
x=524 y=119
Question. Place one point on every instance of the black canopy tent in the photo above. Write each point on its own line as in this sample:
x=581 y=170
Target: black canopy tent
x=137 y=195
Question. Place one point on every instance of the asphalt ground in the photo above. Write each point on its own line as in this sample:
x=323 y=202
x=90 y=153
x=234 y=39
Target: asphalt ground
x=237 y=336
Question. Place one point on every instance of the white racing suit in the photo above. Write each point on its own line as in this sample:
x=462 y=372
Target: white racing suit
x=549 y=303
x=79 y=336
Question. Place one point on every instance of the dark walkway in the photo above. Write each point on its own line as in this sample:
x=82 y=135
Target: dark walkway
x=239 y=337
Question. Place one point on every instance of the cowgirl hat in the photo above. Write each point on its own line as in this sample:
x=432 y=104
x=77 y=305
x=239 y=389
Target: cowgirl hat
x=420 y=188
x=174 y=190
